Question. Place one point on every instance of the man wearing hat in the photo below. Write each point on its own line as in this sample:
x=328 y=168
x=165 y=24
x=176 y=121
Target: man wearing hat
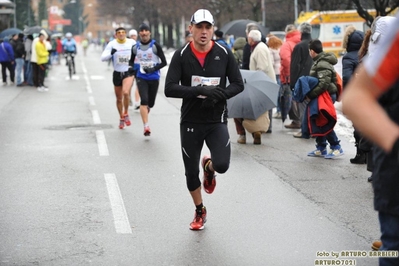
x=198 y=74
x=148 y=55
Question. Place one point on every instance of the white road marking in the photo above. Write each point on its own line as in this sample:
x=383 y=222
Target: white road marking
x=121 y=220
x=102 y=143
x=93 y=77
x=91 y=101
x=96 y=117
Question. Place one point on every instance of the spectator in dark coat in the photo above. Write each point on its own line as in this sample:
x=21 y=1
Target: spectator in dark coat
x=301 y=63
x=352 y=42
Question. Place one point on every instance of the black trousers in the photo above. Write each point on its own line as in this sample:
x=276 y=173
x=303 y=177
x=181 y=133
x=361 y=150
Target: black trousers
x=11 y=69
x=192 y=136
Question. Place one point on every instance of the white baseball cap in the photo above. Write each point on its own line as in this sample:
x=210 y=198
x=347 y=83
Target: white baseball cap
x=133 y=32
x=202 y=15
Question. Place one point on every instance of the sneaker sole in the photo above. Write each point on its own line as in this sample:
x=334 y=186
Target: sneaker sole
x=314 y=155
x=333 y=157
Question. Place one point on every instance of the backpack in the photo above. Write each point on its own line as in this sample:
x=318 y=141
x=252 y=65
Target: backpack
x=337 y=80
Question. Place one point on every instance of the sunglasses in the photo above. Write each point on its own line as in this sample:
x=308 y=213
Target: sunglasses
x=120 y=31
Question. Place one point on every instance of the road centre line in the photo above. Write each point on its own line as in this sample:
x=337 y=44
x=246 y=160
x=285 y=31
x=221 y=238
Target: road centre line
x=91 y=101
x=96 y=117
x=102 y=143
x=121 y=221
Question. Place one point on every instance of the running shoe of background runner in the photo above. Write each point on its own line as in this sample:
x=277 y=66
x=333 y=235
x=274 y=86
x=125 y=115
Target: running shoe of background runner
x=121 y=123
x=127 y=120
x=147 y=131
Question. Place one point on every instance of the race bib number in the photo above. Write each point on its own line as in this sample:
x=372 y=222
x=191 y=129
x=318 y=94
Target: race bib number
x=204 y=81
x=145 y=64
x=122 y=59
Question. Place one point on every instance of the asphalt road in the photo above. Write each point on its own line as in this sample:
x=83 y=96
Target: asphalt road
x=76 y=190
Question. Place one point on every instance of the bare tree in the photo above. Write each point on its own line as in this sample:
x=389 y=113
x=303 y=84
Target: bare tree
x=382 y=7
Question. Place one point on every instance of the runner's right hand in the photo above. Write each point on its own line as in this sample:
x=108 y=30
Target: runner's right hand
x=205 y=90
x=113 y=51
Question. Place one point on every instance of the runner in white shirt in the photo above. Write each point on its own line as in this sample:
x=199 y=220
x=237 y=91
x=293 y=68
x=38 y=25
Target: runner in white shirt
x=119 y=50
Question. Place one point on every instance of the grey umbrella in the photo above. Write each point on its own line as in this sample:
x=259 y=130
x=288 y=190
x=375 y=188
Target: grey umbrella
x=259 y=95
x=36 y=30
x=237 y=28
x=9 y=32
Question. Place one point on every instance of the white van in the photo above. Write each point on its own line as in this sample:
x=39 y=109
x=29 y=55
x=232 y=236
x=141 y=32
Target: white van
x=329 y=26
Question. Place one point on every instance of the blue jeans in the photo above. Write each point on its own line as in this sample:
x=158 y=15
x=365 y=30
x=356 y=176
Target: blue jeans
x=389 y=225
x=330 y=137
x=19 y=65
x=28 y=73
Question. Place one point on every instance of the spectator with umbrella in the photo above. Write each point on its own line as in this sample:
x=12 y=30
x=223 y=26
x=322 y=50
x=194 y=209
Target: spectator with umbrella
x=260 y=60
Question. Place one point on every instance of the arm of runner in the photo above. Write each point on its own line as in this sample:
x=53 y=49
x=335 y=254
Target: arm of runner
x=173 y=77
x=106 y=54
x=161 y=56
x=132 y=57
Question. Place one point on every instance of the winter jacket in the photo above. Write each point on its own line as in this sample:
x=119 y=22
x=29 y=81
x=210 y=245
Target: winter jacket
x=222 y=42
x=6 y=52
x=184 y=66
x=386 y=167
x=276 y=60
x=19 y=48
x=301 y=61
x=291 y=39
x=41 y=52
x=28 y=48
x=323 y=70
x=320 y=114
x=238 y=47
x=261 y=59
x=352 y=42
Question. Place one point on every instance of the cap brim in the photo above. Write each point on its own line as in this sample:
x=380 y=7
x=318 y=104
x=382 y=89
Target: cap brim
x=198 y=22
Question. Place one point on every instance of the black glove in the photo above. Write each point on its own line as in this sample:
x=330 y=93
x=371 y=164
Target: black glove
x=149 y=70
x=113 y=51
x=205 y=90
x=131 y=71
x=219 y=94
x=208 y=103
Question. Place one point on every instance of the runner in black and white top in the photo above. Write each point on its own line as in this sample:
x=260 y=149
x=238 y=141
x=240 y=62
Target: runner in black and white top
x=198 y=74
x=148 y=58
x=119 y=51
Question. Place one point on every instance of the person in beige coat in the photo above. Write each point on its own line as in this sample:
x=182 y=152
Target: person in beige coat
x=260 y=60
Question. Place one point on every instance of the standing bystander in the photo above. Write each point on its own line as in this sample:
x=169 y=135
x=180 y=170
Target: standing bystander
x=323 y=70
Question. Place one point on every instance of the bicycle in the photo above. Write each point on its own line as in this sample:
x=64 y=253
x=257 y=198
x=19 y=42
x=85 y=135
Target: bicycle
x=71 y=66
